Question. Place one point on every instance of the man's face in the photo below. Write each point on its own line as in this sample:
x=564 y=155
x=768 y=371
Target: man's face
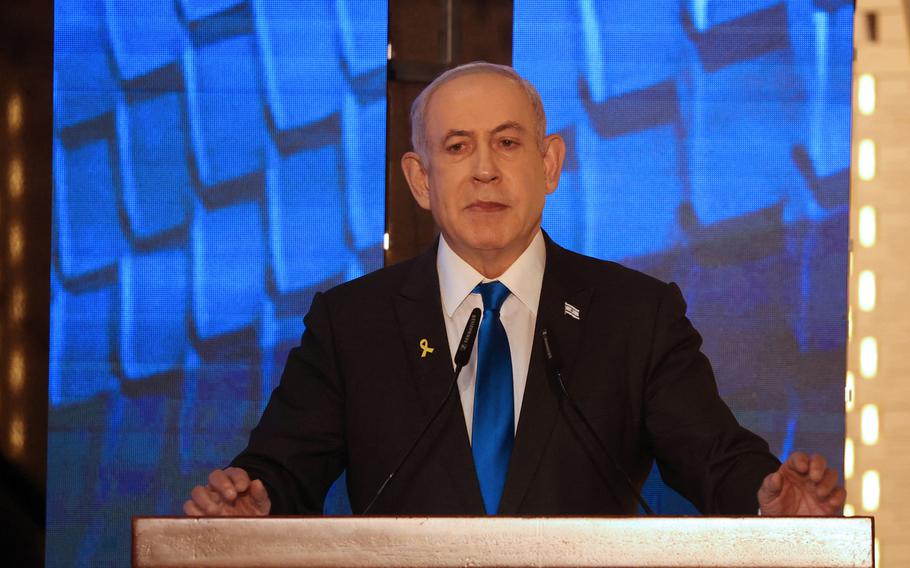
x=487 y=178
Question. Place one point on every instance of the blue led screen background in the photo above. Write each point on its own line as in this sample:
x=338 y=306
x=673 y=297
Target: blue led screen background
x=709 y=144
x=217 y=162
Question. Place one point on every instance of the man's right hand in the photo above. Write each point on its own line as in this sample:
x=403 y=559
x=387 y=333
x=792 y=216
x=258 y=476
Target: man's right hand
x=230 y=493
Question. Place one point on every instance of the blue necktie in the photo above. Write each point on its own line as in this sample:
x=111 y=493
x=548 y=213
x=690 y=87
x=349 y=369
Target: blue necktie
x=494 y=412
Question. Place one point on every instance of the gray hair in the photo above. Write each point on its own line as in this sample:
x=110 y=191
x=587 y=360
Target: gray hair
x=419 y=107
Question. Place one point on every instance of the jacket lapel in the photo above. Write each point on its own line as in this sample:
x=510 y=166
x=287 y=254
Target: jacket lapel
x=419 y=311
x=563 y=291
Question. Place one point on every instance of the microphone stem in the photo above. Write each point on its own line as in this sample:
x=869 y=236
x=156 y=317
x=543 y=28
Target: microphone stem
x=414 y=445
x=603 y=448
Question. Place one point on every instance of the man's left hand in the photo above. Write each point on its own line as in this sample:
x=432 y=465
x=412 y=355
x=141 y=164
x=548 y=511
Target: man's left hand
x=802 y=486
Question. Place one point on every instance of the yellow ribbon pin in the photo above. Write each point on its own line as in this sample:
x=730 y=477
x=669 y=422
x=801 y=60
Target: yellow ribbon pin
x=425 y=345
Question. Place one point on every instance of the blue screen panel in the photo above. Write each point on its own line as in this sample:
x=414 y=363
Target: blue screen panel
x=210 y=176
x=709 y=144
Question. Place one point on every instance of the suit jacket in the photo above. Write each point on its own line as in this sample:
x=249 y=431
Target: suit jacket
x=357 y=392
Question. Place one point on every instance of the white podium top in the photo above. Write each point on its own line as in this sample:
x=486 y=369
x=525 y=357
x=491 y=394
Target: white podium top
x=504 y=542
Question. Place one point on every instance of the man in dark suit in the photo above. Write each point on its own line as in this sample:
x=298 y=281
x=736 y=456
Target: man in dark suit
x=376 y=360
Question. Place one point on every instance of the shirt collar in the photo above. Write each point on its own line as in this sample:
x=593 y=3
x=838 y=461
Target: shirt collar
x=524 y=278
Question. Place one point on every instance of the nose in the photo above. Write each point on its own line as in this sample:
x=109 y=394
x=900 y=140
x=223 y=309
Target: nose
x=486 y=169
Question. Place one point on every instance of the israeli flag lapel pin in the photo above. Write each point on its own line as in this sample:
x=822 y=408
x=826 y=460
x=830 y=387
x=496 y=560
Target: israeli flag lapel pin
x=572 y=311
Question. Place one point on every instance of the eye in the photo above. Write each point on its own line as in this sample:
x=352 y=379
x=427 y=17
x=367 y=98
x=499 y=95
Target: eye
x=456 y=147
x=509 y=143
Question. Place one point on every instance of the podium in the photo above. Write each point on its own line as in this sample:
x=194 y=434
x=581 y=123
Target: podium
x=503 y=541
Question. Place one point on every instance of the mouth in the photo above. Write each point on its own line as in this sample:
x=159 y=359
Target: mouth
x=486 y=207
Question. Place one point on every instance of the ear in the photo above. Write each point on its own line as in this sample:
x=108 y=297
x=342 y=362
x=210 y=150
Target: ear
x=418 y=181
x=554 y=155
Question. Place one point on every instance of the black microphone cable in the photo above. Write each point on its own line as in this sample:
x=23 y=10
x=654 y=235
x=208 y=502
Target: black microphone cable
x=553 y=366
x=462 y=357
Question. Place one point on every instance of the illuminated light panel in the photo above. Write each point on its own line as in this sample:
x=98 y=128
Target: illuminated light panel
x=16 y=243
x=850 y=323
x=867 y=226
x=877 y=551
x=865 y=94
x=868 y=357
x=849 y=510
x=866 y=290
x=16 y=435
x=866 y=158
x=869 y=424
x=14 y=113
x=849 y=458
x=871 y=490
x=16 y=372
x=850 y=391
x=17 y=305
x=385 y=241
x=15 y=178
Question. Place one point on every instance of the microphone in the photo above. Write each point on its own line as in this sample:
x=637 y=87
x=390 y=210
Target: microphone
x=466 y=345
x=462 y=356
x=553 y=367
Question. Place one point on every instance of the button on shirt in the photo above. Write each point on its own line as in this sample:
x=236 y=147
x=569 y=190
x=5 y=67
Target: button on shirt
x=518 y=314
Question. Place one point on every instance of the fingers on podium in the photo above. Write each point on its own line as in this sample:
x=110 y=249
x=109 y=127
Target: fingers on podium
x=827 y=484
x=799 y=462
x=773 y=483
x=818 y=465
x=223 y=484
x=260 y=497
x=206 y=500
x=240 y=478
x=837 y=498
x=192 y=510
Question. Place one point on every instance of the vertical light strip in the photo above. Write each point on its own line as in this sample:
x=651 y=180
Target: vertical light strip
x=879 y=207
x=15 y=178
x=16 y=243
x=850 y=392
x=17 y=434
x=16 y=372
x=867 y=228
x=14 y=114
x=865 y=94
x=866 y=163
x=869 y=424
x=15 y=252
x=849 y=323
x=17 y=305
x=868 y=357
x=871 y=491
x=866 y=290
x=849 y=458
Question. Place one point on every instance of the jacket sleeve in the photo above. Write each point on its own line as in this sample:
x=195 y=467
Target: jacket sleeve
x=701 y=450
x=298 y=447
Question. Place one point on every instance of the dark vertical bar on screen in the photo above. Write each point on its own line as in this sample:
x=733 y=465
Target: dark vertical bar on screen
x=426 y=37
x=26 y=66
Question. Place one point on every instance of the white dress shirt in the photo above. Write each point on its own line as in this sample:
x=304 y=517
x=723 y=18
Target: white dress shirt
x=518 y=314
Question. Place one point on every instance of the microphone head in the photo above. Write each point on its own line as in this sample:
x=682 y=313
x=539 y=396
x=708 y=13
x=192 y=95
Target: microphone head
x=548 y=351
x=549 y=355
x=466 y=345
